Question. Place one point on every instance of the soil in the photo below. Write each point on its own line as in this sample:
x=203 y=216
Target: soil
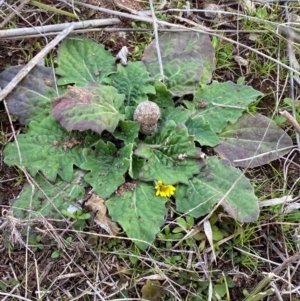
x=65 y=277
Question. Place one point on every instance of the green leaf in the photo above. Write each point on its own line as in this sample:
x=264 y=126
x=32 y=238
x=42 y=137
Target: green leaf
x=163 y=97
x=55 y=254
x=220 y=289
x=68 y=214
x=129 y=112
x=93 y=108
x=48 y=148
x=190 y=221
x=136 y=166
x=133 y=81
x=172 y=42
x=224 y=102
x=182 y=222
x=163 y=151
x=211 y=185
x=183 y=71
x=107 y=167
x=177 y=230
x=202 y=131
x=178 y=114
x=217 y=233
x=30 y=100
x=48 y=199
x=84 y=216
x=255 y=137
x=127 y=131
x=140 y=213
x=81 y=61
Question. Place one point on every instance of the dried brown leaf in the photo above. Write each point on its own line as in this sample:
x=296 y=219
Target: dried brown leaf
x=97 y=205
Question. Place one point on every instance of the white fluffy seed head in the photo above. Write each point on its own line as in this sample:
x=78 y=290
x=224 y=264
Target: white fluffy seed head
x=147 y=113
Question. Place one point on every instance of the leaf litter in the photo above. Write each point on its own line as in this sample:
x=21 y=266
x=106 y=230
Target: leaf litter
x=96 y=205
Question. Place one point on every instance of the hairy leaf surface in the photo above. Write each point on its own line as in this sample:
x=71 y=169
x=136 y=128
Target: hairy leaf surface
x=215 y=180
x=172 y=42
x=30 y=100
x=183 y=71
x=133 y=81
x=48 y=148
x=163 y=97
x=48 y=199
x=81 y=61
x=140 y=213
x=136 y=166
x=178 y=115
x=220 y=103
x=127 y=131
x=163 y=152
x=254 y=140
x=107 y=167
x=202 y=131
x=93 y=108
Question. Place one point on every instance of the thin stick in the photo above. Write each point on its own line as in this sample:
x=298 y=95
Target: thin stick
x=13 y=131
x=95 y=290
x=26 y=69
x=291 y=119
x=57 y=27
x=10 y=16
x=14 y=288
x=108 y=29
x=256 y=256
x=161 y=69
x=281 y=267
x=264 y=154
x=37 y=279
x=14 y=296
x=70 y=275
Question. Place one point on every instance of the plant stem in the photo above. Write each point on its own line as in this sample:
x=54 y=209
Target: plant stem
x=52 y=9
x=257 y=290
x=262 y=295
x=159 y=59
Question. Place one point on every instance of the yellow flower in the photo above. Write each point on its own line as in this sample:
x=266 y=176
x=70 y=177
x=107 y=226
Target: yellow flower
x=164 y=190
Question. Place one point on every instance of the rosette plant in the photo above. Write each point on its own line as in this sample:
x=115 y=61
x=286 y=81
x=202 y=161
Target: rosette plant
x=81 y=133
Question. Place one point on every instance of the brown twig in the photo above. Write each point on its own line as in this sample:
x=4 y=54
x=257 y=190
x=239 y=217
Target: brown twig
x=16 y=11
x=291 y=119
x=26 y=69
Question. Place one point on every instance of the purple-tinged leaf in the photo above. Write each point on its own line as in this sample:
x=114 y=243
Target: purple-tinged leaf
x=254 y=140
x=93 y=108
x=30 y=100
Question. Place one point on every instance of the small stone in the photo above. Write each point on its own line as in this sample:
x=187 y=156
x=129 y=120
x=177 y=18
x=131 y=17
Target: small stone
x=241 y=61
